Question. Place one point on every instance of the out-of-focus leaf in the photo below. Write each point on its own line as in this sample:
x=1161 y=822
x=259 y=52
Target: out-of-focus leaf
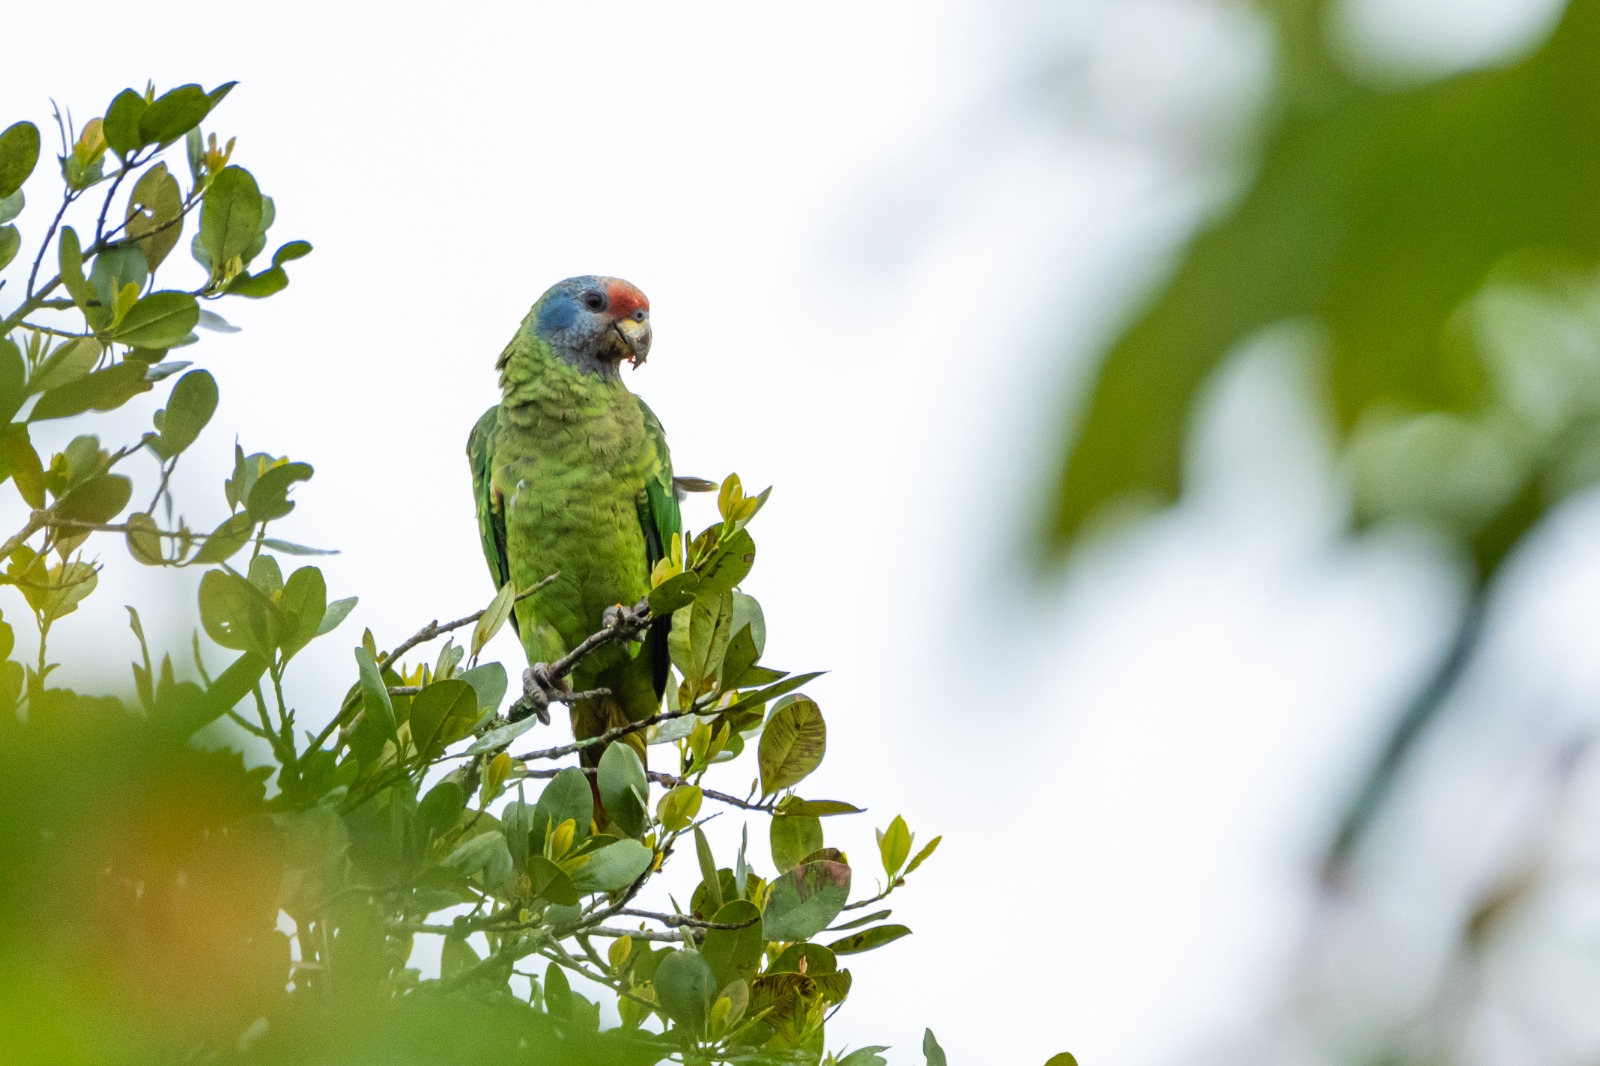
x=71 y=266
x=155 y=213
x=1375 y=213
x=305 y=600
x=174 y=113
x=121 y=125
x=19 y=151
x=10 y=241
x=375 y=694
x=159 y=320
x=16 y=452
x=931 y=1049
x=104 y=390
x=11 y=206
x=230 y=217
x=114 y=270
x=269 y=496
x=337 y=612
x=67 y=362
x=222 y=542
x=98 y=500
x=189 y=408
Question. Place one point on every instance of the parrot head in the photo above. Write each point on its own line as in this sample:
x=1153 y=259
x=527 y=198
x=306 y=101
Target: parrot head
x=594 y=323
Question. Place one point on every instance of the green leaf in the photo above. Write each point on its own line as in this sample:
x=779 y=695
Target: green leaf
x=865 y=1056
x=155 y=214
x=613 y=867
x=457 y=957
x=19 y=151
x=231 y=686
x=806 y=900
x=71 y=267
x=771 y=692
x=485 y=854
x=709 y=631
x=868 y=939
x=735 y=954
x=144 y=540
x=792 y=744
x=441 y=714
x=11 y=206
x=817 y=808
x=69 y=361
x=16 y=452
x=104 y=390
x=222 y=542
x=290 y=548
x=624 y=789
x=551 y=882
x=236 y=614
x=230 y=217
x=792 y=839
x=678 y=807
x=121 y=124
x=729 y=564
x=927 y=849
x=159 y=320
x=269 y=496
x=99 y=499
x=875 y=916
x=375 y=694
x=440 y=809
x=567 y=796
x=708 y=872
x=489 y=680
x=685 y=984
x=337 y=612
x=494 y=617
x=116 y=268
x=189 y=408
x=894 y=844
x=557 y=992
x=931 y=1049
x=10 y=242
x=13 y=380
x=172 y=114
x=1065 y=1058
x=305 y=600
x=673 y=594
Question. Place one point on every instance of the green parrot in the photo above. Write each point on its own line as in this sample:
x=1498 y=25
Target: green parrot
x=572 y=477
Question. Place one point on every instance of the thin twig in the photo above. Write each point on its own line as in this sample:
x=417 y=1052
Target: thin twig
x=604 y=738
x=434 y=629
x=660 y=778
x=674 y=921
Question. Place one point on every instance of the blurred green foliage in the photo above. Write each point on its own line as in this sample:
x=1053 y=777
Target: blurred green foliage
x=1441 y=240
x=161 y=900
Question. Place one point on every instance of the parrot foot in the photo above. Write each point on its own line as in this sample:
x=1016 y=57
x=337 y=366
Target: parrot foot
x=620 y=616
x=539 y=690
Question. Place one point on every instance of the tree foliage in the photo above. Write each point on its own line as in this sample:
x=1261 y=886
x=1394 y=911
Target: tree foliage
x=166 y=899
x=1441 y=240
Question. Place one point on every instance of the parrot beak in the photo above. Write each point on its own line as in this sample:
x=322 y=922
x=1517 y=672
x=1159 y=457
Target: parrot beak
x=636 y=335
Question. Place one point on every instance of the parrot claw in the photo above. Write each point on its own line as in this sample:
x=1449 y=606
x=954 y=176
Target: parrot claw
x=539 y=690
x=614 y=616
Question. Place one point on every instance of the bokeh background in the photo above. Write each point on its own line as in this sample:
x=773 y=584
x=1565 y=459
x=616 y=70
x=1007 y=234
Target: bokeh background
x=888 y=246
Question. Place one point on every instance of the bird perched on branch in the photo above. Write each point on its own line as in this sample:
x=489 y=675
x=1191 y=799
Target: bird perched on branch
x=572 y=477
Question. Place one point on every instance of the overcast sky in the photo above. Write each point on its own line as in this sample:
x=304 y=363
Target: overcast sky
x=880 y=240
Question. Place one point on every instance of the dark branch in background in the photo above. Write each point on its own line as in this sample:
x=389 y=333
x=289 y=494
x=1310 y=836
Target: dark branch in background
x=1424 y=707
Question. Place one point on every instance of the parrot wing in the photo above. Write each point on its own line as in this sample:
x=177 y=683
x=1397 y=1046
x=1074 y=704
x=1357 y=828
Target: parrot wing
x=659 y=515
x=490 y=507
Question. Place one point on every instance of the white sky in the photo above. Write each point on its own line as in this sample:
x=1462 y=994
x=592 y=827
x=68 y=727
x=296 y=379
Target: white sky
x=878 y=240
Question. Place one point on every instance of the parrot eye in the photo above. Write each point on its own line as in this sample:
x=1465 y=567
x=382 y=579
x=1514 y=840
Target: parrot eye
x=594 y=301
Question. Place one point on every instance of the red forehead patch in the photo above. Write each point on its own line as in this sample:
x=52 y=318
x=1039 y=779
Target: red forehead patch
x=625 y=299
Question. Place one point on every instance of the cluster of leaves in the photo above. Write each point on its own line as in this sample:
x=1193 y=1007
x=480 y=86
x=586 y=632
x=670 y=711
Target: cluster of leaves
x=166 y=900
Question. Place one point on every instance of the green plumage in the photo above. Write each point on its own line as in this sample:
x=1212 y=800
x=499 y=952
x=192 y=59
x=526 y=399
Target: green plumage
x=571 y=475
